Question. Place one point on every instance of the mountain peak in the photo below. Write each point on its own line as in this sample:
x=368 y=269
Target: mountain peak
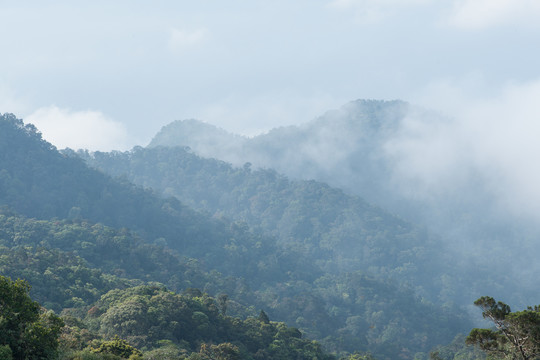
x=202 y=137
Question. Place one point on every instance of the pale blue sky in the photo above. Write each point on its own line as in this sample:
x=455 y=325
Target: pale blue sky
x=109 y=74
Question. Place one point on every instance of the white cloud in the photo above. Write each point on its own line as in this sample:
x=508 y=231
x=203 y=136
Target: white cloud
x=181 y=39
x=373 y=11
x=79 y=129
x=479 y=14
x=504 y=137
x=491 y=140
x=375 y=3
x=253 y=115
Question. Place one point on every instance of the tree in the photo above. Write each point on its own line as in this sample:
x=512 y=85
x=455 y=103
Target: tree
x=263 y=317
x=27 y=331
x=358 y=356
x=5 y=352
x=222 y=301
x=223 y=351
x=517 y=335
x=118 y=347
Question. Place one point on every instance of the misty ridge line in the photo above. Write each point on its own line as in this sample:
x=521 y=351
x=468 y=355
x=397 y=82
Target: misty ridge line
x=462 y=175
x=416 y=163
x=68 y=187
x=425 y=154
x=372 y=123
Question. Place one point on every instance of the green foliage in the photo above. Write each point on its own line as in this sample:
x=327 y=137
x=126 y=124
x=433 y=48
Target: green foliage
x=292 y=265
x=319 y=222
x=38 y=181
x=5 y=352
x=457 y=350
x=118 y=347
x=25 y=331
x=88 y=355
x=357 y=356
x=167 y=350
x=59 y=279
x=324 y=226
x=223 y=351
x=516 y=334
x=43 y=252
x=263 y=317
x=154 y=318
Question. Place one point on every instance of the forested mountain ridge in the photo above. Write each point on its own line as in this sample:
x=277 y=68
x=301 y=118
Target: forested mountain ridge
x=72 y=264
x=207 y=138
x=347 y=312
x=38 y=181
x=335 y=230
x=363 y=148
x=383 y=152
x=164 y=325
x=343 y=147
x=338 y=232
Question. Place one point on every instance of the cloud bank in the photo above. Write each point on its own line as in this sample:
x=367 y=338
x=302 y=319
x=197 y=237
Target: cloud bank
x=90 y=130
x=242 y=115
x=493 y=141
x=481 y=14
x=374 y=11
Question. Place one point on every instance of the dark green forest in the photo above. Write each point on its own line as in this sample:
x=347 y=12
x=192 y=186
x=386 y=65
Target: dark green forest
x=160 y=254
x=337 y=231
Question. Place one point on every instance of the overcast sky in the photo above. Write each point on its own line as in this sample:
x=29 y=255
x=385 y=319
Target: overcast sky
x=110 y=74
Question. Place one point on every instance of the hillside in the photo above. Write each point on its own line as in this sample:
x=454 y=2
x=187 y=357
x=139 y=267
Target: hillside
x=85 y=233
x=382 y=151
x=37 y=181
x=336 y=231
x=330 y=228
x=343 y=147
x=72 y=265
x=370 y=148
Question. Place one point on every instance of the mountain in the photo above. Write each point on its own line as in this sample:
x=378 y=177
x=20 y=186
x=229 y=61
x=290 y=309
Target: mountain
x=111 y=233
x=351 y=148
x=343 y=147
x=336 y=231
x=38 y=181
x=377 y=150
x=363 y=148
x=207 y=138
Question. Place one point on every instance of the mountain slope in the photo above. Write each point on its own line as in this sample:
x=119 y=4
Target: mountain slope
x=397 y=156
x=365 y=148
x=343 y=147
x=38 y=181
x=348 y=312
x=330 y=228
x=337 y=231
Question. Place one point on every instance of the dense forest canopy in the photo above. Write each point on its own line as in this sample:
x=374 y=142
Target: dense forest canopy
x=196 y=258
x=333 y=229
x=383 y=152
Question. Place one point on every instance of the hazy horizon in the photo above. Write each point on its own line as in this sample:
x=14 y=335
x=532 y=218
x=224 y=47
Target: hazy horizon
x=108 y=76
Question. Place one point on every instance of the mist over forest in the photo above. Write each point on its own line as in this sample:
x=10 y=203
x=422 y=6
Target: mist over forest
x=416 y=163
x=352 y=236
x=269 y=180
